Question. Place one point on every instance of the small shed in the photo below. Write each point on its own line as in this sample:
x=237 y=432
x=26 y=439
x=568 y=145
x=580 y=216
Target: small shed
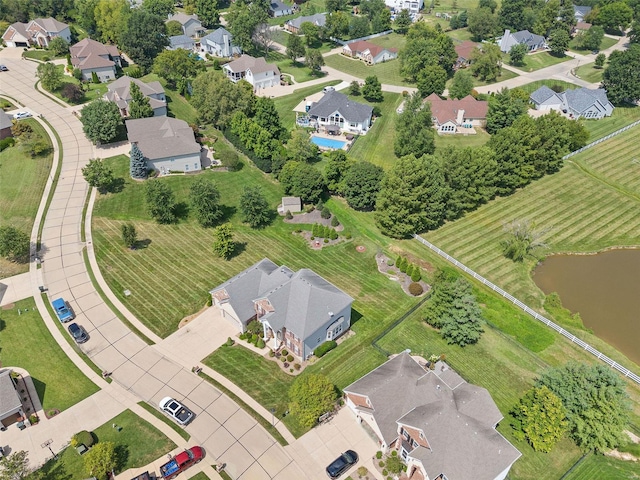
x=10 y=404
x=292 y=204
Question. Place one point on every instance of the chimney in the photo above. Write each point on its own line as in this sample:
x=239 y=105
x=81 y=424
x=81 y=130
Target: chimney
x=460 y=116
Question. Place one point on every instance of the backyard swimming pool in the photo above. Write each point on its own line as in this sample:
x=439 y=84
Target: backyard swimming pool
x=328 y=142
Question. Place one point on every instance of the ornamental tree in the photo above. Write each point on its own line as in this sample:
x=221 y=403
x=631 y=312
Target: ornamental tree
x=15 y=466
x=129 y=235
x=137 y=163
x=50 y=76
x=223 y=245
x=100 y=121
x=98 y=174
x=101 y=459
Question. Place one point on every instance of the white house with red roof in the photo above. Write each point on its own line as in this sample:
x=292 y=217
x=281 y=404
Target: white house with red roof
x=369 y=52
x=38 y=31
x=91 y=56
x=452 y=116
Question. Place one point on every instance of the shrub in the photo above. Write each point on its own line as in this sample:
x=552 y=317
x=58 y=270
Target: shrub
x=82 y=438
x=46 y=58
x=230 y=159
x=334 y=221
x=229 y=342
x=254 y=338
x=289 y=358
x=255 y=327
x=384 y=472
x=381 y=464
x=77 y=74
x=209 y=301
x=94 y=77
x=283 y=359
x=260 y=343
x=415 y=275
x=403 y=265
x=325 y=347
x=297 y=366
x=313 y=238
x=326 y=240
x=325 y=213
x=378 y=454
x=242 y=336
x=272 y=354
x=33 y=419
x=6 y=143
x=394 y=453
x=415 y=289
x=135 y=72
x=390 y=263
x=362 y=471
x=285 y=352
x=398 y=261
x=333 y=235
x=348 y=236
x=288 y=215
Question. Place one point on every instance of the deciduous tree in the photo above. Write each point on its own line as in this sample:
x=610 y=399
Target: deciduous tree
x=354 y=88
x=208 y=12
x=311 y=33
x=111 y=16
x=307 y=183
x=174 y=65
x=600 y=59
x=621 y=78
x=414 y=134
x=14 y=244
x=372 y=89
x=483 y=24
x=314 y=59
x=432 y=80
x=263 y=37
x=160 y=201
x=301 y=148
x=58 y=46
x=174 y=28
x=242 y=19
x=337 y=25
x=295 y=47
x=14 y=466
x=311 y=396
x=143 y=37
x=425 y=47
x=335 y=5
x=403 y=21
x=590 y=39
x=487 y=63
x=100 y=121
x=504 y=109
x=223 y=245
x=359 y=26
x=522 y=239
x=517 y=54
x=559 y=42
x=101 y=459
x=338 y=164
x=266 y=115
x=255 y=207
x=129 y=235
x=362 y=184
x=615 y=17
x=462 y=84
x=204 y=199
x=162 y=8
x=98 y=174
x=217 y=99
x=50 y=76
x=72 y=92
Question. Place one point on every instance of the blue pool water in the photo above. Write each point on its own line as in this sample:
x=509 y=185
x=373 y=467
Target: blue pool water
x=328 y=142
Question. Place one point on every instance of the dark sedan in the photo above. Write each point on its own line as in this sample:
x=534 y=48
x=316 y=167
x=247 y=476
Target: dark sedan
x=342 y=464
x=78 y=333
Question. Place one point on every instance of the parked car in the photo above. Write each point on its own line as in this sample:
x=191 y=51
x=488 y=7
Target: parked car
x=181 y=462
x=63 y=310
x=3 y=68
x=176 y=410
x=19 y=115
x=78 y=333
x=342 y=464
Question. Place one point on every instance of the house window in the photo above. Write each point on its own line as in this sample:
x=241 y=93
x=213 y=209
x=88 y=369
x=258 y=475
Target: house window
x=186 y=167
x=405 y=434
x=296 y=349
x=403 y=453
x=195 y=166
x=414 y=444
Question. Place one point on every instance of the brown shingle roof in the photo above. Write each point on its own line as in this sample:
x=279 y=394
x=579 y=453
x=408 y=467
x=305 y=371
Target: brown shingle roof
x=445 y=110
x=256 y=65
x=465 y=48
x=20 y=28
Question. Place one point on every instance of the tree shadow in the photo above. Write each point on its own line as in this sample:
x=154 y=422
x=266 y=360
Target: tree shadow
x=238 y=249
x=54 y=470
x=122 y=457
x=181 y=210
x=271 y=216
x=142 y=244
x=355 y=316
x=228 y=211
x=116 y=186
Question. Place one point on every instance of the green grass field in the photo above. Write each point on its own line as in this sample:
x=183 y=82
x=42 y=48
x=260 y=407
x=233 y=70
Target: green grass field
x=606 y=43
x=393 y=40
x=164 y=419
x=177 y=105
x=622 y=116
x=96 y=90
x=41 y=55
x=537 y=61
x=27 y=343
x=599 y=466
x=477 y=140
x=377 y=145
x=137 y=444
x=387 y=72
x=23 y=180
x=589 y=73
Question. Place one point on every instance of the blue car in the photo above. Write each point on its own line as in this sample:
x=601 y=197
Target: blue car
x=63 y=311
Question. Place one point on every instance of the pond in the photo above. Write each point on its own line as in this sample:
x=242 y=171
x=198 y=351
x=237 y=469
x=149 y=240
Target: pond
x=604 y=289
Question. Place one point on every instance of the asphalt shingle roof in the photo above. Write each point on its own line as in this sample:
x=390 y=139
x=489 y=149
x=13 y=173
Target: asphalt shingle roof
x=5 y=120
x=162 y=137
x=542 y=94
x=335 y=101
x=530 y=39
x=9 y=399
x=176 y=40
x=217 y=36
x=318 y=19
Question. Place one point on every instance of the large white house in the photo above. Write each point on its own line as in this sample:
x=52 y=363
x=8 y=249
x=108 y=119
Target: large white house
x=256 y=71
x=219 y=43
x=414 y=6
x=38 y=32
x=577 y=103
x=336 y=110
x=168 y=144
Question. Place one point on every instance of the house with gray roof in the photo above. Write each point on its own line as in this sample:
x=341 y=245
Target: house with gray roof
x=10 y=404
x=293 y=25
x=580 y=12
x=181 y=42
x=279 y=9
x=168 y=144
x=256 y=71
x=440 y=425
x=219 y=43
x=191 y=25
x=298 y=310
x=336 y=109
x=5 y=125
x=531 y=40
x=120 y=93
x=576 y=103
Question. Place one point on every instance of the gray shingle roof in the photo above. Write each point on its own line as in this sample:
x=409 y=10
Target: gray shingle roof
x=216 y=36
x=5 y=120
x=162 y=137
x=278 y=6
x=542 y=94
x=528 y=38
x=183 y=18
x=338 y=102
x=581 y=99
x=176 y=40
x=581 y=11
x=256 y=65
x=9 y=399
x=50 y=24
x=457 y=421
x=318 y=19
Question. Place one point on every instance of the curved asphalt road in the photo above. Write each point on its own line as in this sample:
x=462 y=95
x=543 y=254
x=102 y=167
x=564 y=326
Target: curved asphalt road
x=227 y=433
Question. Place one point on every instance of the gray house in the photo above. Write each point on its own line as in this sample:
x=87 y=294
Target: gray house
x=168 y=144
x=336 y=109
x=279 y=9
x=580 y=12
x=531 y=40
x=439 y=425
x=120 y=93
x=219 y=43
x=10 y=404
x=191 y=26
x=577 y=103
x=181 y=41
x=298 y=310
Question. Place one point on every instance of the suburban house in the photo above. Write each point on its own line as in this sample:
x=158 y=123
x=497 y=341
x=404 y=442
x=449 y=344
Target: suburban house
x=256 y=71
x=279 y=9
x=91 y=56
x=337 y=110
x=10 y=404
x=293 y=26
x=298 y=310
x=441 y=426
x=37 y=32
x=181 y=41
x=219 y=43
x=578 y=103
x=531 y=40
x=580 y=12
x=290 y=204
x=458 y=116
x=5 y=125
x=464 y=51
x=581 y=27
x=120 y=93
x=168 y=144
x=191 y=26
x=369 y=52
x=414 y=6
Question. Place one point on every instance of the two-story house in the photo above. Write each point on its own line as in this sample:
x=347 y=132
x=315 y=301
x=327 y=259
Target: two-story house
x=120 y=93
x=256 y=71
x=335 y=109
x=191 y=26
x=38 y=32
x=441 y=426
x=91 y=56
x=219 y=43
x=298 y=310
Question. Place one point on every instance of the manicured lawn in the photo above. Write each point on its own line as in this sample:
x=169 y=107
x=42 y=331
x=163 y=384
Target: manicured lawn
x=589 y=73
x=606 y=43
x=536 y=61
x=377 y=145
x=621 y=117
x=599 y=466
x=504 y=75
x=27 y=343
x=476 y=140
x=285 y=105
x=95 y=90
x=387 y=72
x=137 y=444
x=393 y=40
x=461 y=34
x=298 y=71
x=562 y=85
x=22 y=181
x=199 y=476
x=42 y=55
x=177 y=105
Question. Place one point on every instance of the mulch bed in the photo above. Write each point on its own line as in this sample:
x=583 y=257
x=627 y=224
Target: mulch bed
x=397 y=276
x=318 y=242
x=311 y=218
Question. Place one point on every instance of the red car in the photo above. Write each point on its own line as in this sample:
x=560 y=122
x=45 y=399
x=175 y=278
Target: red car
x=181 y=462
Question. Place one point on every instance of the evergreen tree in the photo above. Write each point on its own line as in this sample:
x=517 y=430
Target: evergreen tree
x=137 y=163
x=129 y=235
x=414 y=134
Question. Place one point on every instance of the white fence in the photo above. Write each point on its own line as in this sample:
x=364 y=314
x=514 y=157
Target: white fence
x=600 y=140
x=626 y=372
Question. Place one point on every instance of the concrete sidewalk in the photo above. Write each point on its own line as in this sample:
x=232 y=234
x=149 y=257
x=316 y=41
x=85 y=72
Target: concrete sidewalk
x=16 y=288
